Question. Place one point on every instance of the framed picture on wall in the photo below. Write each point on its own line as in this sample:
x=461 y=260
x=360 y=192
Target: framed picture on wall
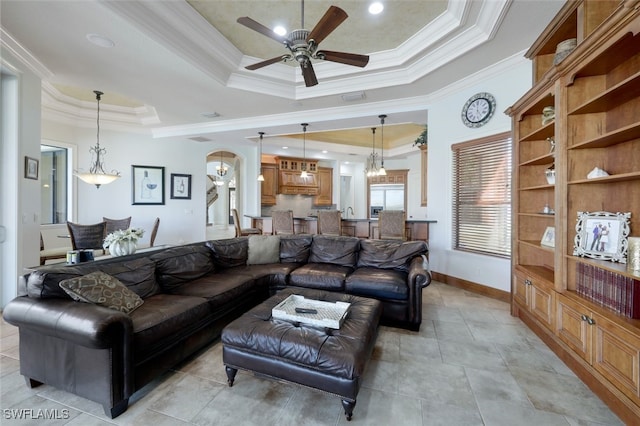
x=147 y=185
x=31 y=166
x=180 y=186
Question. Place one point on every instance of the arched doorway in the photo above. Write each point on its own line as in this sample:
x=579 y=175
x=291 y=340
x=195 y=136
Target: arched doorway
x=222 y=169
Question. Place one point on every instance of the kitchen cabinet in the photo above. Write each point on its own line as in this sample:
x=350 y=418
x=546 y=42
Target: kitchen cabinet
x=269 y=187
x=325 y=187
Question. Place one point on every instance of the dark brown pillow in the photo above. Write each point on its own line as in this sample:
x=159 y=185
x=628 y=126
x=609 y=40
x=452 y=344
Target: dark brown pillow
x=103 y=290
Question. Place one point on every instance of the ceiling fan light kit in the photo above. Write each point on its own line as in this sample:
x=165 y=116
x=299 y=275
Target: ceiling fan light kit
x=303 y=44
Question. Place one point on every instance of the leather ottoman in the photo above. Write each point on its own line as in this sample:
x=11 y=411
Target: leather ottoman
x=328 y=360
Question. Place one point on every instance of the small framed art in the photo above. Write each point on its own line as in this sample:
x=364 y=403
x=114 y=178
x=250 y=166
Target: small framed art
x=147 y=185
x=549 y=237
x=31 y=166
x=602 y=235
x=180 y=186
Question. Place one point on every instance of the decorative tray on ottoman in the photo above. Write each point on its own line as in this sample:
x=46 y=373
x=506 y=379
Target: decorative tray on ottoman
x=327 y=314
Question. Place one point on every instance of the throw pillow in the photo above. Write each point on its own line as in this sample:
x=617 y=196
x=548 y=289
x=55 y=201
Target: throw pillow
x=103 y=290
x=263 y=249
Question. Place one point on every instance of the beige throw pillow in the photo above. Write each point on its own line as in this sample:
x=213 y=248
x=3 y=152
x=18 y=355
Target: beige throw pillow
x=263 y=249
x=103 y=290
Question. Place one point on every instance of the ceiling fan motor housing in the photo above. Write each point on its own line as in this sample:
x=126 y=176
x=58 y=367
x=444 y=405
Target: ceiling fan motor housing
x=301 y=50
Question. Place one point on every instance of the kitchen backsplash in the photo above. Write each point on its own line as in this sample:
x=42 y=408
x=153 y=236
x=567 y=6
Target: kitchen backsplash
x=301 y=205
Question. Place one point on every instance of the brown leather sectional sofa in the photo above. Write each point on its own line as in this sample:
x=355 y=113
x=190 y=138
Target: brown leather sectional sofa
x=190 y=293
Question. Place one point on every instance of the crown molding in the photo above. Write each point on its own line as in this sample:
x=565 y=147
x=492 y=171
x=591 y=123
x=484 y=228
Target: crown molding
x=181 y=29
x=64 y=109
x=390 y=107
x=8 y=42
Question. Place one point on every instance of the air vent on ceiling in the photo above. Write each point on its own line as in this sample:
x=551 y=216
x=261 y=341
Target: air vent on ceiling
x=210 y=114
x=351 y=97
x=200 y=139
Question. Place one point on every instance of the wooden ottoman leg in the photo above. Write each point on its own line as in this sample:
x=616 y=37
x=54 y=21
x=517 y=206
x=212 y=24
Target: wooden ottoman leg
x=231 y=374
x=348 y=408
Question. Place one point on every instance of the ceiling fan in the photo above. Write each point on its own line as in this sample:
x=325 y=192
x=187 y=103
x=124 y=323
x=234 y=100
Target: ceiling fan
x=303 y=44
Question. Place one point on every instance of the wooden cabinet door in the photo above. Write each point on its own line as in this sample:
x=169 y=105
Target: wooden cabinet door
x=520 y=288
x=616 y=355
x=541 y=303
x=269 y=186
x=325 y=187
x=572 y=326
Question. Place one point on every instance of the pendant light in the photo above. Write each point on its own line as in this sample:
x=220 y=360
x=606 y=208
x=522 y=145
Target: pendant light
x=97 y=176
x=382 y=171
x=221 y=170
x=303 y=166
x=372 y=161
x=260 y=176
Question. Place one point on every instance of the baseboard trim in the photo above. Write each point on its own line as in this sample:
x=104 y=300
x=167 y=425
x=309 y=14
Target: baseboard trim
x=493 y=293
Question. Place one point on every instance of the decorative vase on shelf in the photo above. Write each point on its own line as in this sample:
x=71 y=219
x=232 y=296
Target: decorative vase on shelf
x=550 y=174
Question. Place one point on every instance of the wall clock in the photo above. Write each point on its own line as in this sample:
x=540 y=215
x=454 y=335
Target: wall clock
x=478 y=110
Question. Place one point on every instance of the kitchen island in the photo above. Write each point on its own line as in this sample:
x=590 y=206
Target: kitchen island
x=415 y=229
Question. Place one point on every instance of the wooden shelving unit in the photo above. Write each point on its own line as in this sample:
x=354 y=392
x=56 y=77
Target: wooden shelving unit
x=595 y=91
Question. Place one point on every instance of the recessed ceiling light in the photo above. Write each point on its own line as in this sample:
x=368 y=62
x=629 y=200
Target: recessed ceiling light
x=346 y=162
x=280 y=30
x=375 y=8
x=100 y=40
x=324 y=151
x=285 y=147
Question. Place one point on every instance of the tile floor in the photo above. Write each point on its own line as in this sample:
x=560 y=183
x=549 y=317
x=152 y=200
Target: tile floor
x=470 y=364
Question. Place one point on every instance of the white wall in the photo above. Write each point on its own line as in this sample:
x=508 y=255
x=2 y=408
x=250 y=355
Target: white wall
x=181 y=221
x=445 y=129
x=21 y=210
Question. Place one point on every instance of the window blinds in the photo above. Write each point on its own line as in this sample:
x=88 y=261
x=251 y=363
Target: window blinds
x=482 y=196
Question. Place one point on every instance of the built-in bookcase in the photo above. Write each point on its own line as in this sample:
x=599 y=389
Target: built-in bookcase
x=595 y=92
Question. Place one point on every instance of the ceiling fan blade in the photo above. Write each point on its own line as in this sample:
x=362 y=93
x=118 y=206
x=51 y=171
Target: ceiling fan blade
x=344 y=58
x=329 y=22
x=309 y=74
x=265 y=63
x=257 y=26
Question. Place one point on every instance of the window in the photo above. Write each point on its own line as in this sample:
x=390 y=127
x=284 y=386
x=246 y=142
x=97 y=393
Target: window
x=53 y=177
x=482 y=196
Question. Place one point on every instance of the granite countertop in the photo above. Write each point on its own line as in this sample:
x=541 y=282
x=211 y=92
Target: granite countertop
x=314 y=218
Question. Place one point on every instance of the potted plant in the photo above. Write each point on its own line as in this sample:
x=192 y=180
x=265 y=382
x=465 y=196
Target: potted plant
x=123 y=242
x=422 y=139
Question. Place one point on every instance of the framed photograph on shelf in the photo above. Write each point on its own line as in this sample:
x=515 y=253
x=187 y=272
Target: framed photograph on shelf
x=147 y=185
x=31 y=166
x=602 y=235
x=180 y=186
x=549 y=237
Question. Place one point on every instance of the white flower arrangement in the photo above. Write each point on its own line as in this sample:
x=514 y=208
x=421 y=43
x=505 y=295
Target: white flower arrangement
x=131 y=234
